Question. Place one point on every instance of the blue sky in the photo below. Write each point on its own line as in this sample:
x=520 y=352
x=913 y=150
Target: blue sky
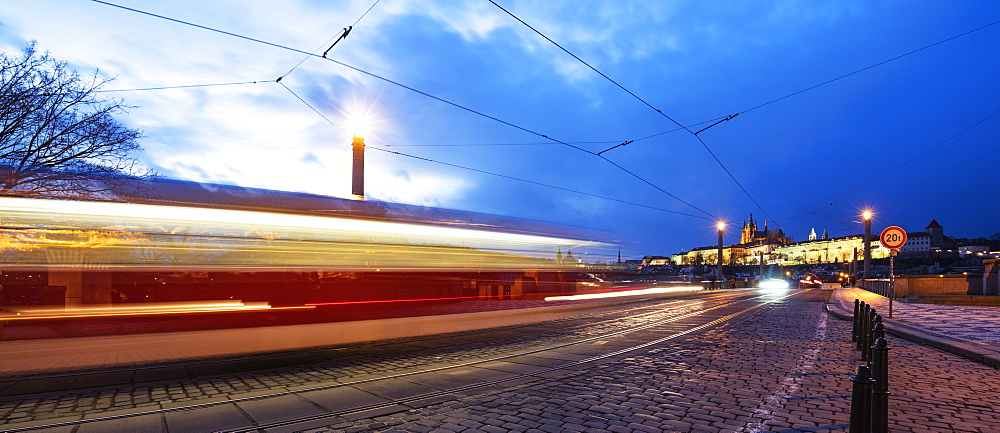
x=810 y=160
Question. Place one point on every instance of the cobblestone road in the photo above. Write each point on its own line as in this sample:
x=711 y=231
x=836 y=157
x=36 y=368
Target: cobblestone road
x=217 y=381
x=784 y=368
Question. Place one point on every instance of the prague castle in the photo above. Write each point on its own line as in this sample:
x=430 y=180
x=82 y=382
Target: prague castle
x=773 y=247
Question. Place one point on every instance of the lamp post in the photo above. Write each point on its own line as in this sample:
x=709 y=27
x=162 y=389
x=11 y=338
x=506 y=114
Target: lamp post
x=721 y=225
x=868 y=243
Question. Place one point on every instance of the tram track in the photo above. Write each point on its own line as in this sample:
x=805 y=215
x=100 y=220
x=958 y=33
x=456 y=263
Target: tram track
x=287 y=359
x=330 y=414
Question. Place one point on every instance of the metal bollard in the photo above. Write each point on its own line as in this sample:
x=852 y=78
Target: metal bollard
x=854 y=325
x=862 y=327
x=861 y=324
x=861 y=405
x=880 y=389
x=866 y=349
x=872 y=335
x=878 y=329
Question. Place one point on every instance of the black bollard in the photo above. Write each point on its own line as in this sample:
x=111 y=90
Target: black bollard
x=861 y=324
x=866 y=349
x=878 y=329
x=861 y=405
x=854 y=325
x=880 y=389
x=872 y=335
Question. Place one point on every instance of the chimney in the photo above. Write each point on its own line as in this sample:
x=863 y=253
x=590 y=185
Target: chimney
x=358 y=178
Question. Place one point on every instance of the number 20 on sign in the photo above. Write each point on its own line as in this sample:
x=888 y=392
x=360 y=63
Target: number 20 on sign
x=893 y=237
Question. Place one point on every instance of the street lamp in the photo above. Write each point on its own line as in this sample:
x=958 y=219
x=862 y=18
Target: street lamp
x=867 y=215
x=721 y=225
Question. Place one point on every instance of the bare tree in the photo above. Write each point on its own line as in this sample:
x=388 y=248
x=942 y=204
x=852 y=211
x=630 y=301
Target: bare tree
x=58 y=138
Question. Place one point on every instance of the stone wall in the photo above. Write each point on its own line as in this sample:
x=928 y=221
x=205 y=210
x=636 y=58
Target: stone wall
x=918 y=285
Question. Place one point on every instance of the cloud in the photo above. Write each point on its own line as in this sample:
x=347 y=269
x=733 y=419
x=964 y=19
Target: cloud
x=310 y=158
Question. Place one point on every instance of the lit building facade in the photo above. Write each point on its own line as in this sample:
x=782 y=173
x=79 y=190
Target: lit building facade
x=772 y=247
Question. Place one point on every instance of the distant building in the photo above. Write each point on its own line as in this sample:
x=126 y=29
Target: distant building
x=656 y=261
x=937 y=234
x=750 y=234
x=916 y=243
x=973 y=250
x=772 y=247
x=832 y=250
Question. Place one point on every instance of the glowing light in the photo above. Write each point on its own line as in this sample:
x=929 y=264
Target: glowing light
x=640 y=292
x=360 y=119
x=867 y=214
x=145 y=310
x=721 y=225
x=773 y=284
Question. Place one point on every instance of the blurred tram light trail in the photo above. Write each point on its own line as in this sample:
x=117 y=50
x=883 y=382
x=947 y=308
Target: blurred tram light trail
x=128 y=234
x=139 y=310
x=625 y=293
x=217 y=261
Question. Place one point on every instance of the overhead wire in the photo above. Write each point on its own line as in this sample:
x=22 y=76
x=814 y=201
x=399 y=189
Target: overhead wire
x=871 y=66
x=891 y=170
x=926 y=151
x=373 y=75
x=342 y=35
x=655 y=186
x=705 y=145
x=309 y=105
x=182 y=87
x=838 y=78
x=382 y=149
x=354 y=68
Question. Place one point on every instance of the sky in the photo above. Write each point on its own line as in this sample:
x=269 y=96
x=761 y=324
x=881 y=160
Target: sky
x=835 y=112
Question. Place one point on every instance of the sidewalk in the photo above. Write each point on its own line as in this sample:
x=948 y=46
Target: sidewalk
x=969 y=331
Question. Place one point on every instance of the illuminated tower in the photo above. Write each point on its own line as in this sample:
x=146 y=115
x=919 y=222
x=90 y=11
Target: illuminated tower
x=749 y=232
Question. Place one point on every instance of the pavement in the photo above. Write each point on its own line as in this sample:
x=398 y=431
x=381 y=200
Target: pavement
x=969 y=331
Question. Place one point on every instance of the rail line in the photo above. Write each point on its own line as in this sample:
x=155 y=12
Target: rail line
x=440 y=393
x=282 y=356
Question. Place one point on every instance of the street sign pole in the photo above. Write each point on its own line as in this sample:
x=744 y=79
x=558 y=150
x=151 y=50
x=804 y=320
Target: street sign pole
x=892 y=238
x=892 y=279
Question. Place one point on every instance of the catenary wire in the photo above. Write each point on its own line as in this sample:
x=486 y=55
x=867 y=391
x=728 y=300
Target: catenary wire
x=309 y=105
x=531 y=181
x=340 y=36
x=886 y=173
x=181 y=87
x=373 y=75
x=370 y=74
x=839 y=78
x=871 y=66
x=655 y=186
x=705 y=145
x=366 y=13
x=926 y=151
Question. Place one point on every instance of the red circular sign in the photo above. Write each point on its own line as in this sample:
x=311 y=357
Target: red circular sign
x=893 y=237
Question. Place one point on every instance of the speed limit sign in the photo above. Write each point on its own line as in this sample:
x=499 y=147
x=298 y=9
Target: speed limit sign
x=893 y=237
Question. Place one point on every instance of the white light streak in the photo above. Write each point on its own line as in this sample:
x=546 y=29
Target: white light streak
x=639 y=292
